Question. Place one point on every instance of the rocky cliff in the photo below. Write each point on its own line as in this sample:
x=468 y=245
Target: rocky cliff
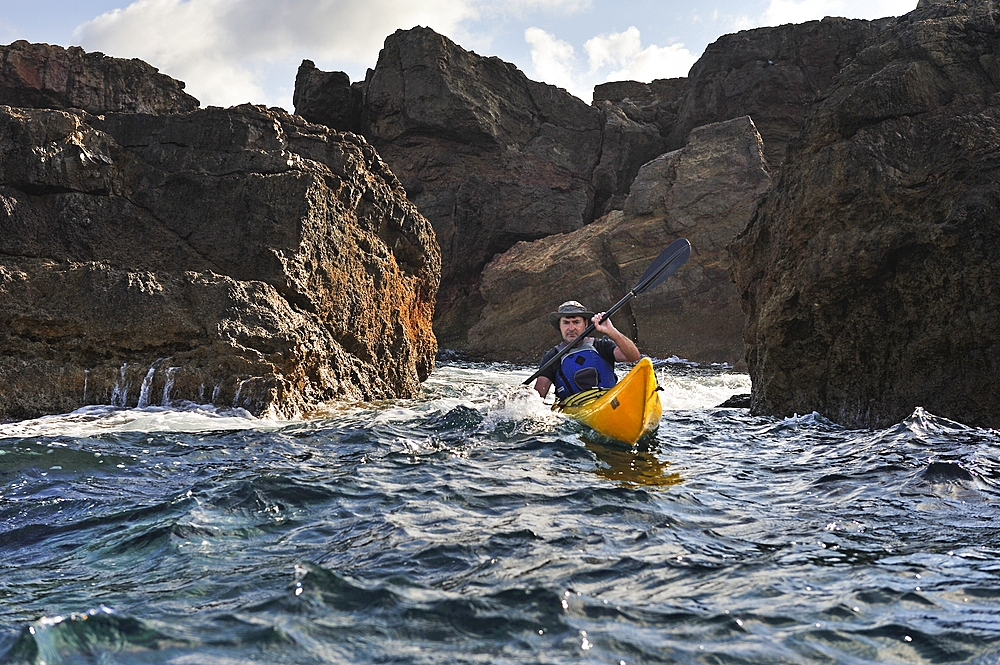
x=240 y=257
x=774 y=75
x=493 y=159
x=704 y=192
x=869 y=272
x=51 y=77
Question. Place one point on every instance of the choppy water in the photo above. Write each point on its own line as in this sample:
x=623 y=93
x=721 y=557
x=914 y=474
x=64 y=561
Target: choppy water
x=471 y=525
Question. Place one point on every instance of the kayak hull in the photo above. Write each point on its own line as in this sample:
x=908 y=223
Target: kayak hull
x=626 y=412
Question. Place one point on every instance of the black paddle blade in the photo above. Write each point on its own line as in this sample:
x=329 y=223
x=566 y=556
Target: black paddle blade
x=664 y=265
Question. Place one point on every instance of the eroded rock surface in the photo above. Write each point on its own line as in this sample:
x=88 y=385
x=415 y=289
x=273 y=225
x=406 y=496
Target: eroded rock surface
x=870 y=271
x=237 y=256
x=492 y=158
x=774 y=75
x=487 y=155
x=44 y=76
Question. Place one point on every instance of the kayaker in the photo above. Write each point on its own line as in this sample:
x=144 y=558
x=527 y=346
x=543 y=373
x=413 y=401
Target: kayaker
x=591 y=363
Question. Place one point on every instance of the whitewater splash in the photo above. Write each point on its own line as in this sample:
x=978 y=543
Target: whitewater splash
x=180 y=417
x=494 y=391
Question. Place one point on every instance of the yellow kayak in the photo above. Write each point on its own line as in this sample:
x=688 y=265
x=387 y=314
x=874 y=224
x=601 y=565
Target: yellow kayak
x=626 y=412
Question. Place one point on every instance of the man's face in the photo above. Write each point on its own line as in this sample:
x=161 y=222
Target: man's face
x=571 y=326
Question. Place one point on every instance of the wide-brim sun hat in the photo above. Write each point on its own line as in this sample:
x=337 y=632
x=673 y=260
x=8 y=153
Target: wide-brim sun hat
x=570 y=308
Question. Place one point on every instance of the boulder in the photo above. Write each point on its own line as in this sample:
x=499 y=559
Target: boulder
x=51 y=77
x=653 y=103
x=705 y=192
x=869 y=273
x=328 y=98
x=241 y=257
x=625 y=146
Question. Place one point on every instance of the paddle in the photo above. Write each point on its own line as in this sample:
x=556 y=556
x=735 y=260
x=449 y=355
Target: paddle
x=663 y=266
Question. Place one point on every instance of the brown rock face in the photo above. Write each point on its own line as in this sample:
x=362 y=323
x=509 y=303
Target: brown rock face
x=625 y=146
x=654 y=103
x=235 y=256
x=43 y=76
x=492 y=159
x=869 y=273
x=705 y=193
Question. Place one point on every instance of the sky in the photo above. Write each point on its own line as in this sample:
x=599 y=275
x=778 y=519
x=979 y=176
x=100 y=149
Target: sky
x=231 y=52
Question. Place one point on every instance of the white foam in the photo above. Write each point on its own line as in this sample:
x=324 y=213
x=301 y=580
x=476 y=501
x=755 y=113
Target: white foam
x=183 y=417
x=495 y=391
x=805 y=419
x=700 y=391
x=518 y=404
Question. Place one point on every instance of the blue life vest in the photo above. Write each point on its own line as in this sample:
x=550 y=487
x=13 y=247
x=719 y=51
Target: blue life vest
x=583 y=368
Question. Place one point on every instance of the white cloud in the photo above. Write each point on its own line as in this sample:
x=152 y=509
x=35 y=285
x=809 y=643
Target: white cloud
x=656 y=62
x=614 y=49
x=552 y=6
x=624 y=51
x=554 y=61
x=217 y=46
x=611 y=57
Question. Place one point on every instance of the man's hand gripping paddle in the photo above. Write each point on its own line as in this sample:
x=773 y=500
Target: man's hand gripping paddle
x=663 y=266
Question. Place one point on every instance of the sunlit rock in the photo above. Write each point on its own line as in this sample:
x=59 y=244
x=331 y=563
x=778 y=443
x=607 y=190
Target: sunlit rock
x=704 y=193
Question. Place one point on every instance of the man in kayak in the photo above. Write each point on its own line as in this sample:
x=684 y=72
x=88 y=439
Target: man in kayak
x=591 y=363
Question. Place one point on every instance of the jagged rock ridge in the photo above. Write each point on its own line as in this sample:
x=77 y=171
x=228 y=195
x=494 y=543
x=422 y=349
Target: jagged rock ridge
x=493 y=159
x=51 y=77
x=489 y=156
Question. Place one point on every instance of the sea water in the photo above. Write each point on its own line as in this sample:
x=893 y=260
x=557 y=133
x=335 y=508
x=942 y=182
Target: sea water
x=473 y=525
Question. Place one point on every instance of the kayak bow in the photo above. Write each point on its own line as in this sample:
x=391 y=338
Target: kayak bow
x=625 y=412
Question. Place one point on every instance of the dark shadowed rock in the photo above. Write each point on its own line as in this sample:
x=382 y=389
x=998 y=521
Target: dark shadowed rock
x=625 y=146
x=492 y=158
x=870 y=272
x=328 y=98
x=774 y=75
x=705 y=193
x=741 y=401
x=235 y=256
x=44 y=76
x=487 y=155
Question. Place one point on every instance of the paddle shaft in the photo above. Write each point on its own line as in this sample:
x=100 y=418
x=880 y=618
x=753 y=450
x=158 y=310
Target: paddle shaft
x=664 y=265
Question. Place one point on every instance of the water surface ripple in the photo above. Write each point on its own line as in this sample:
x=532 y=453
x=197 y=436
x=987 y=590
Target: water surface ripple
x=471 y=525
